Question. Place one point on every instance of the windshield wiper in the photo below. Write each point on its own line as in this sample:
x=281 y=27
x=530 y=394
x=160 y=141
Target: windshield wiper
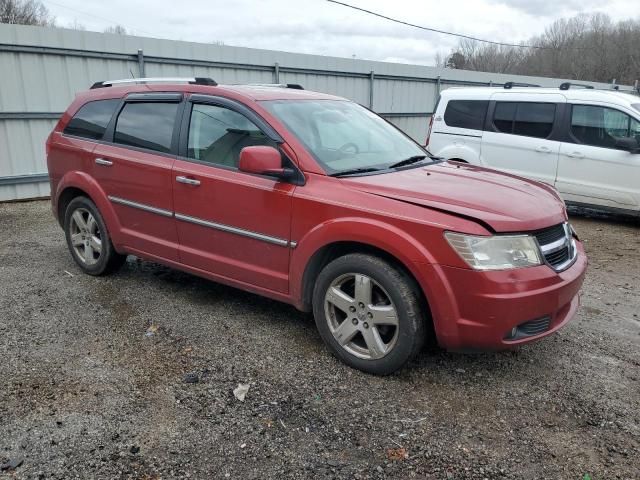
x=354 y=171
x=408 y=161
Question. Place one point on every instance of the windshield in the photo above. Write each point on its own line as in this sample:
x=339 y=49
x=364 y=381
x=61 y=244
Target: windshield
x=344 y=136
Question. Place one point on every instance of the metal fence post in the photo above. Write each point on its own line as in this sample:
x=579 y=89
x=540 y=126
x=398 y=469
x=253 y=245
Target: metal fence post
x=276 y=73
x=437 y=96
x=140 y=63
x=372 y=79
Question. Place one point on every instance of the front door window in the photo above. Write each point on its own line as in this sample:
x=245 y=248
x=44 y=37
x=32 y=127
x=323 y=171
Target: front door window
x=601 y=126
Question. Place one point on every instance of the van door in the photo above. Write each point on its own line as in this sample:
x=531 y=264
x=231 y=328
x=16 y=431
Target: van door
x=591 y=170
x=519 y=135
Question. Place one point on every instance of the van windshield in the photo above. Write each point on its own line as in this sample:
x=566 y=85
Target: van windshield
x=345 y=137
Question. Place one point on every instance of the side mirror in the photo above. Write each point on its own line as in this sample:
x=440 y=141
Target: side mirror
x=629 y=144
x=264 y=160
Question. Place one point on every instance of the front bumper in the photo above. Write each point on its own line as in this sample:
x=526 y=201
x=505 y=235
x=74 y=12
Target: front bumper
x=478 y=310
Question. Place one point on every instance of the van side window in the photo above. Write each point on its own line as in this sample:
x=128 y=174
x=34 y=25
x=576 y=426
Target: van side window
x=92 y=119
x=528 y=119
x=217 y=134
x=600 y=126
x=466 y=113
x=534 y=119
x=503 y=116
x=146 y=125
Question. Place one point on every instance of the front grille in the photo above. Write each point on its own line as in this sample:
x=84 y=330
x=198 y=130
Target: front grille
x=557 y=246
x=558 y=257
x=551 y=234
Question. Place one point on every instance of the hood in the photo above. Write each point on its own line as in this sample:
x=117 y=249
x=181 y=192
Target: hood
x=504 y=202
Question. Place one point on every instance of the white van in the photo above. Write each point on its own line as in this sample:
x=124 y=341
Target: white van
x=583 y=141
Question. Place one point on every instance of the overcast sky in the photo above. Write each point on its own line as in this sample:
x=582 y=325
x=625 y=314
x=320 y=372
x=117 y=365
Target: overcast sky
x=319 y=27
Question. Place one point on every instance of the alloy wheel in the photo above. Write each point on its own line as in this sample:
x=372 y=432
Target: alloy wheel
x=361 y=316
x=85 y=236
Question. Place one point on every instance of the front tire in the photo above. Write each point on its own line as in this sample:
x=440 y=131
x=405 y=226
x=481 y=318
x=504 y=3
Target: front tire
x=368 y=312
x=88 y=239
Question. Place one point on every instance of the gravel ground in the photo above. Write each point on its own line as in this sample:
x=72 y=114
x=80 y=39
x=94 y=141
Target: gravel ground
x=132 y=376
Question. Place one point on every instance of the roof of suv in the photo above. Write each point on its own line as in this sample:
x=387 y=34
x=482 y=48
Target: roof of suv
x=582 y=94
x=252 y=92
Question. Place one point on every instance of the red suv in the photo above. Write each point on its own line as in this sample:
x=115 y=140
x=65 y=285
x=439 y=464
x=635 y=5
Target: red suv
x=313 y=200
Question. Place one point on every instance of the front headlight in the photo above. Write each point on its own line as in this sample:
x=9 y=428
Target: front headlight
x=499 y=252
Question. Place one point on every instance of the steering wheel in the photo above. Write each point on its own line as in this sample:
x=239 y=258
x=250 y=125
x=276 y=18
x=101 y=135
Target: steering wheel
x=349 y=148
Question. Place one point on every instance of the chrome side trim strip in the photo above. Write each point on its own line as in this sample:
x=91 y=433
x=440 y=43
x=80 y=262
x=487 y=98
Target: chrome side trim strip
x=141 y=206
x=293 y=244
x=229 y=229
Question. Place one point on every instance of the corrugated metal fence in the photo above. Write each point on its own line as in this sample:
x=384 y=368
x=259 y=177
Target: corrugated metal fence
x=42 y=68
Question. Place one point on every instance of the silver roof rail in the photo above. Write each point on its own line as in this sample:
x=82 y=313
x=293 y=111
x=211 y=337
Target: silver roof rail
x=192 y=80
x=295 y=86
x=510 y=85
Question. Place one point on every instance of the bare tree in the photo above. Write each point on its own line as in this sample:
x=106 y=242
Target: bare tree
x=117 y=29
x=25 y=12
x=585 y=47
x=75 y=25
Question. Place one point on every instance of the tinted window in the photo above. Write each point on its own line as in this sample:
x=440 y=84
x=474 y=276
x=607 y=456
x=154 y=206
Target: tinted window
x=524 y=118
x=146 y=125
x=534 y=119
x=466 y=113
x=92 y=119
x=217 y=134
x=504 y=115
x=600 y=126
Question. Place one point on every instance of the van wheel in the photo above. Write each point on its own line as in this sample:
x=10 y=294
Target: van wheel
x=368 y=313
x=88 y=239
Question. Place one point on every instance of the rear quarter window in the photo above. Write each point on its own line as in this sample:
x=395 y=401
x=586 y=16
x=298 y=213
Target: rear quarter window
x=466 y=113
x=92 y=119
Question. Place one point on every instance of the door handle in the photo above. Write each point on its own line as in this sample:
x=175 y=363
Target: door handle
x=575 y=155
x=543 y=149
x=188 y=181
x=104 y=162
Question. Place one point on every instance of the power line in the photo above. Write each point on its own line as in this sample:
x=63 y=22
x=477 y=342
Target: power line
x=92 y=15
x=468 y=37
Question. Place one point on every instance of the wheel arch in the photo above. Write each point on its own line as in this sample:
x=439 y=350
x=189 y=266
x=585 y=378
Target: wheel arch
x=65 y=198
x=75 y=184
x=464 y=153
x=329 y=252
x=338 y=237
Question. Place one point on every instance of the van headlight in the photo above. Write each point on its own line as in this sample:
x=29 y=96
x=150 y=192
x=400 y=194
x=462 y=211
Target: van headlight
x=498 y=252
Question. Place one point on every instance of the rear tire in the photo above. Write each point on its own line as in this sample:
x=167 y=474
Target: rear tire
x=368 y=312
x=88 y=239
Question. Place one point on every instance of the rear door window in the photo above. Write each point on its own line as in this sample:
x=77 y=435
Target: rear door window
x=466 y=113
x=146 y=125
x=92 y=119
x=528 y=119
